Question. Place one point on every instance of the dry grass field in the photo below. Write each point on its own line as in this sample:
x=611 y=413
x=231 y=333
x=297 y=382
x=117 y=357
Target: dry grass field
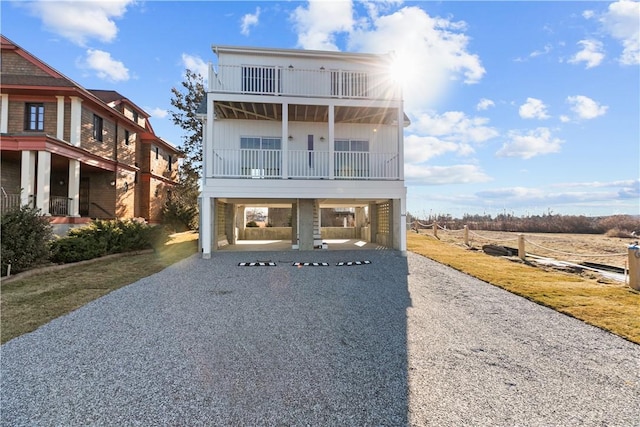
x=574 y=248
x=607 y=304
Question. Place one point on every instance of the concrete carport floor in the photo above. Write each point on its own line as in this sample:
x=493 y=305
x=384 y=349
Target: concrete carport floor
x=285 y=245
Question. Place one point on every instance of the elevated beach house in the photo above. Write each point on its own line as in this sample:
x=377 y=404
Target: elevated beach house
x=74 y=153
x=304 y=130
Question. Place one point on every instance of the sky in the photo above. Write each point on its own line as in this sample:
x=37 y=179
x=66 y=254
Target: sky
x=516 y=107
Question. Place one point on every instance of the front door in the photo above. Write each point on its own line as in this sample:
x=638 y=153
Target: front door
x=83 y=208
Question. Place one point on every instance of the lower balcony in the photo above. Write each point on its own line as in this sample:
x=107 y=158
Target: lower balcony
x=304 y=164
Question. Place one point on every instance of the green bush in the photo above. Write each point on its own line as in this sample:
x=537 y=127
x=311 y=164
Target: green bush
x=25 y=239
x=104 y=237
x=74 y=249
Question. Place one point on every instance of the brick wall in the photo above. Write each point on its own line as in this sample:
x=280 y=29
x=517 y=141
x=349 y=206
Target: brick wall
x=12 y=63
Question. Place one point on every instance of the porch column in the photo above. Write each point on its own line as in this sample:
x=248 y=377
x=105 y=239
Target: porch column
x=60 y=118
x=241 y=221
x=75 y=135
x=332 y=126
x=400 y=141
x=359 y=221
x=4 y=113
x=27 y=178
x=294 y=224
x=397 y=229
x=43 y=182
x=284 y=169
x=74 y=187
x=230 y=223
x=305 y=223
x=205 y=226
x=373 y=222
x=209 y=142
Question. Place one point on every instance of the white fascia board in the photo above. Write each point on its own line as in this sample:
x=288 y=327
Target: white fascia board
x=300 y=188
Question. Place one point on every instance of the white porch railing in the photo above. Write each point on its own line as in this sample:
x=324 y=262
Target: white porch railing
x=276 y=80
x=305 y=164
x=59 y=205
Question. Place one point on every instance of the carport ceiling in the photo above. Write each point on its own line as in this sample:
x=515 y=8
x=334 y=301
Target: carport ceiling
x=304 y=113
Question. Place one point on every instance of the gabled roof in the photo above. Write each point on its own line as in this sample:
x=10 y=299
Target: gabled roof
x=113 y=98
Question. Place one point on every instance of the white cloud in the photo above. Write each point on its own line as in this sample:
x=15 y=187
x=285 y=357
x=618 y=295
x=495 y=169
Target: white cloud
x=432 y=51
x=585 y=107
x=318 y=23
x=547 y=48
x=535 y=143
x=195 y=64
x=588 y=14
x=156 y=112
x=591 y=53
x=565 y=119
x=533 y=109
x=453 y=126
x=622 y=23
x=419 y=149
x=440 y=175
x=249 y=20
x=106 y=67
x=484 y=104
x=80 y=21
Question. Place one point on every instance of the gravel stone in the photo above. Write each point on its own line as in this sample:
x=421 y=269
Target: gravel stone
x=399 y=341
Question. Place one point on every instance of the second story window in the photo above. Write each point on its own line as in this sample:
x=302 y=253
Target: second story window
x=34 y=117
x=256 y=79
x=157 y=152
x=170 y=162
x=135 y=116
x=126 y=137
x=97 y=128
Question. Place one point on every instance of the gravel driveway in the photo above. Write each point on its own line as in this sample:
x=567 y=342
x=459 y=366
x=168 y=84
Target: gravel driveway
x=399 y=341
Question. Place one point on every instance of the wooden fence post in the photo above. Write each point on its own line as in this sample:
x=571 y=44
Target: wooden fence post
x=435 y=229
x=466 y=235
x=521 y=252
x=634 y=266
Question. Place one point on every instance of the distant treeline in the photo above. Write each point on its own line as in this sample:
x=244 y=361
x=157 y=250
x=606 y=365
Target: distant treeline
x=615 y=225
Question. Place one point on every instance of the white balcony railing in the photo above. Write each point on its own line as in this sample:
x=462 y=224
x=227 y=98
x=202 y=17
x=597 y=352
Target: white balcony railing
x=305 y=164
x=263 y=80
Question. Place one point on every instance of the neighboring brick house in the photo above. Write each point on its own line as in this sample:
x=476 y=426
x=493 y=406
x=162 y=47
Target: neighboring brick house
x=303 y=130
x=75 y=153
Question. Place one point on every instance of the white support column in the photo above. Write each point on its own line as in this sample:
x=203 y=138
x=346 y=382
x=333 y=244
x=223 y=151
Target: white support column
x=4 y=117
x=74 y=187
x=208 y=139
x=332 y=126
x=403 y=223
x=400 y=141
x=43 y=181
x=205 y=226
x=60 y=118
x=27 y=177
x=285 y=141
x=75 y=133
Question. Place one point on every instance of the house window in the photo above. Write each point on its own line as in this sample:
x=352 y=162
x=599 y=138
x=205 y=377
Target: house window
x=126 y=137
x=97 y=128
x=349 y=84
x=170 y=161
x=157 y=152
x=351 y=158
x=260 y=156
x=135 y=116
x=34 y=117
x=256 y=79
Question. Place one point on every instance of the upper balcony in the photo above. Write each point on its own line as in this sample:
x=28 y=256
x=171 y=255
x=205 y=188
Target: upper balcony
x=308 y=83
